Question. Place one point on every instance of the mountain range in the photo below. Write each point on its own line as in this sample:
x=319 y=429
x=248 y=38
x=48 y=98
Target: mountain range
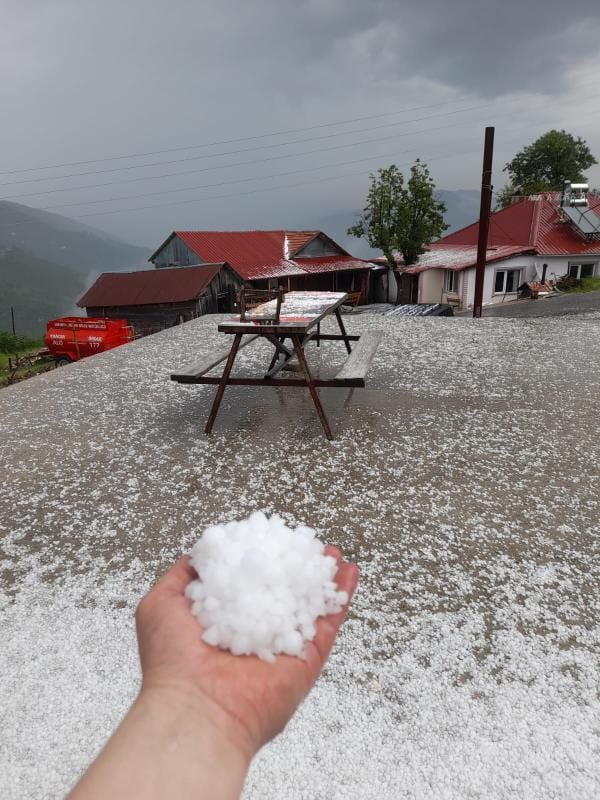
x=47 y=261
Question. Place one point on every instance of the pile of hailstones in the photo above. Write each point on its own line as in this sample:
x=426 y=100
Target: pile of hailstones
x=261 y=586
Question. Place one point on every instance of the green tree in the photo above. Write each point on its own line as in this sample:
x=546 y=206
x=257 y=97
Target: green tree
x=401 y=216
x=545 y=165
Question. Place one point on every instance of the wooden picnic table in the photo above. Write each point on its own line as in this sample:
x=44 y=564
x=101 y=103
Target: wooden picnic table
x=299 y=321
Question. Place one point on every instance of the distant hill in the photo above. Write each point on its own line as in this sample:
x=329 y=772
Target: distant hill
x=47 y=261
x=462 y=208
x=38 y=290
x=65 y=241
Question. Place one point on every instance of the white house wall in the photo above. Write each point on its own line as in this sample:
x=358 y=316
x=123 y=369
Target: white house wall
x=431 y=286
x=531 y=269
x=431 y=281
x=527 y=265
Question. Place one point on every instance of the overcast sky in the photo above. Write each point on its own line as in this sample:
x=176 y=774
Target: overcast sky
x=82 y=81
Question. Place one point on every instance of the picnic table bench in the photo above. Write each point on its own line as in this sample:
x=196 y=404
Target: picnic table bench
x=296 y=317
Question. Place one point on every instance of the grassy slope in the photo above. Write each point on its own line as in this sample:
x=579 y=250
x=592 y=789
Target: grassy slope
x=26 y=371
x=587 y=285
x=38 y=290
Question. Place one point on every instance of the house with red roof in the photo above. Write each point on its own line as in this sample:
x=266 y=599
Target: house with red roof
x=151 y=299
x=201 y=272
x=303 y=260
x=536 y=239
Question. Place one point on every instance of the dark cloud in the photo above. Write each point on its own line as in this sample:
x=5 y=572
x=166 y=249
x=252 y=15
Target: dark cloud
x=499 y=47
x=479 y=45
x=88 y=79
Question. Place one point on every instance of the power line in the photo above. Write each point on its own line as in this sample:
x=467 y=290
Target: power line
x=231 y=141
x=265 y=177
x=505 y=232
x=254 y=137
x=276 y=188
x=239 y=194
x=144 y=178
x=244 y=150
x=227 y=141
x=231 y=182
x=242 y=194
x=285 y=186
x=235 y=163
x=255 y=177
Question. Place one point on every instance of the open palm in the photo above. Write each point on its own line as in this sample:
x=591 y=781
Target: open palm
x=253 y=699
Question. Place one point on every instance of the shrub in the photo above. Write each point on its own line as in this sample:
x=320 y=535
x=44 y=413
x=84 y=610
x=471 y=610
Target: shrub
x=590 y=284
x=13 y=344
x=568 y=284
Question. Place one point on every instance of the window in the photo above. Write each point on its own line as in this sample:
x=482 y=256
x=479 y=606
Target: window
x=507 y=281
x=451 y=281
x=582 y=270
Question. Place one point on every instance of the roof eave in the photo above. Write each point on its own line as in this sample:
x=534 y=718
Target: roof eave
x=492 y=259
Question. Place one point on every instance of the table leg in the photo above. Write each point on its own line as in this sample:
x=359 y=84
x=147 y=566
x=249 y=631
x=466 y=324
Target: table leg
x=277 y=343
x=311 y=385
x=223 y=383
x=274 y=359
x=338 y=316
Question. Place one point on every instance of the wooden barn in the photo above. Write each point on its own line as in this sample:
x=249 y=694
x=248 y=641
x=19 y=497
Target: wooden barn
x=304 y=260
x=155 y=299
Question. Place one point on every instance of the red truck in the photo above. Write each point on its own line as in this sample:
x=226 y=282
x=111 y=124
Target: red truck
x=71 y=338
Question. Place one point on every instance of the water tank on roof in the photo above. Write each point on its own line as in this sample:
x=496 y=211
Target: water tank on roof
x=575 y=208
x=574 y=195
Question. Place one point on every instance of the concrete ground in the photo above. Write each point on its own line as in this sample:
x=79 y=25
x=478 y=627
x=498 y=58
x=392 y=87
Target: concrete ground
x=464 y=481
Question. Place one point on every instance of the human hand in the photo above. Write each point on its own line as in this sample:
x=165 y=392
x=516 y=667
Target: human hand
x=245 y=699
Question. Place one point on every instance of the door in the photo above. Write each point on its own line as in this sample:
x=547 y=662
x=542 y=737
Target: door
x=408 y=289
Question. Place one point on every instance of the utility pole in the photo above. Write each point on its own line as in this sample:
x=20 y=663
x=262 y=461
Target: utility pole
x=12 y=319
x=484 y=219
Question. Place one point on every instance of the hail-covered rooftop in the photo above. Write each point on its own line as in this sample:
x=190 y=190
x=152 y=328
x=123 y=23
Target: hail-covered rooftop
x=463 y=481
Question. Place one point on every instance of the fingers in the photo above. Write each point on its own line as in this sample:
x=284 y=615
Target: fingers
x=334 y=552
x=347 y=579
x=177 y=577
x=327 y=627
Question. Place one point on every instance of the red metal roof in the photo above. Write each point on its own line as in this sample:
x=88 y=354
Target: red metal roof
x=554 y=237
x=535 y=223
x=258 y=255
x=457 y=256
x=533 y=226
x=298 y=239
x=332 y=264
x=150 y=286
x=254 y=255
